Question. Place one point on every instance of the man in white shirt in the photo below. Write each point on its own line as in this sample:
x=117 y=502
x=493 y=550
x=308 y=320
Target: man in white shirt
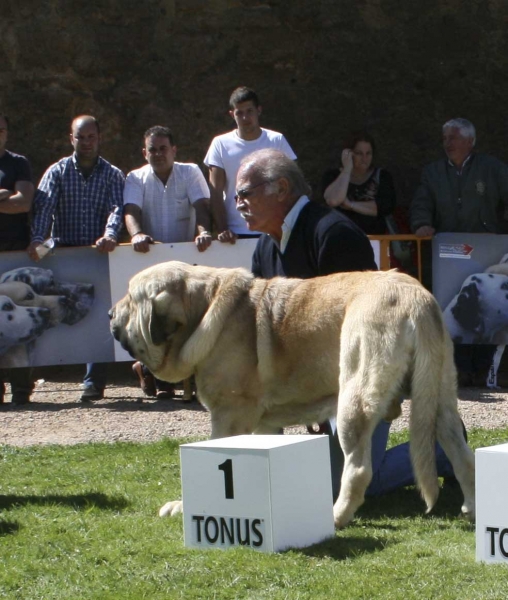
x=166 y=201
x=225 y=154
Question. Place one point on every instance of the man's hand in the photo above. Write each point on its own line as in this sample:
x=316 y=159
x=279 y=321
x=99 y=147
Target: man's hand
x=425 y=231
x=227 y=237
x=32 y=251
x=141 y=242
x=106 y=244
x=203 y=240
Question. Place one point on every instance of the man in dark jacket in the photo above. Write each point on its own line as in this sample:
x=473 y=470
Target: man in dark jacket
x=465 y=192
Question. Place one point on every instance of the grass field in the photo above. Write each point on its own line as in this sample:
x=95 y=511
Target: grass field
x=81 y=522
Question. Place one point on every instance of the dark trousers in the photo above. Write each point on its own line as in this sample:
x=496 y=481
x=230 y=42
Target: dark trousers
x=21 y=379
x=96 y=375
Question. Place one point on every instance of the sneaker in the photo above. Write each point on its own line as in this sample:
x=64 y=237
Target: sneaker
x=146 y=379
x=20 y=398
x=91 y=393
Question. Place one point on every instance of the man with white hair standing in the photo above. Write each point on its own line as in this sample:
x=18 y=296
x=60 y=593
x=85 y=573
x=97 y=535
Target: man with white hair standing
x=465 y=192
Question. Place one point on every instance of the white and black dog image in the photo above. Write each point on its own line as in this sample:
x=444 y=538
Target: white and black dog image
x=478 y=314
x=33 y=296
x=20 y=324
x=80 y=296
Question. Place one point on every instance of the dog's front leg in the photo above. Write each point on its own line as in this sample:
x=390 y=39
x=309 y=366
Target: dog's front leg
x=240 y=419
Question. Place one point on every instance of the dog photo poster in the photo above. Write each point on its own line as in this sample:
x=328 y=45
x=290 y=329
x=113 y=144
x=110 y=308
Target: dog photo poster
x=55 y=312
x=470 y=282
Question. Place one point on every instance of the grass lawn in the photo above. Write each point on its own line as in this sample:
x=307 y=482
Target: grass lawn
x=81 y=522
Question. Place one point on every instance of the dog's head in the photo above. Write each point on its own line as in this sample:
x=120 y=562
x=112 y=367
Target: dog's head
x=20 y=324
x=79 y=297
x=23 y=295
x=173 y=313
x=38 y=279
x=479 y=310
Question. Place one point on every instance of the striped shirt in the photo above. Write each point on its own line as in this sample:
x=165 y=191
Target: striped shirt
x=76 y=210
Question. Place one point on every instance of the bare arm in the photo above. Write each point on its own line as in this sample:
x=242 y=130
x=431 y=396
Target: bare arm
x=19 y=200
x=367 y=207
x=336 y=192
x=217 y=206
x=203 y=221
x=140 y=241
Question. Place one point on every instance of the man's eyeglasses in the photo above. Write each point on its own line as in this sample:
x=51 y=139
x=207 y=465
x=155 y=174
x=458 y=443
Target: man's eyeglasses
x=245 y=193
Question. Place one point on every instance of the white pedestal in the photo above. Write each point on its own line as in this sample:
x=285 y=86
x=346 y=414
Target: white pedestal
x=269 y=492
x=492 y=504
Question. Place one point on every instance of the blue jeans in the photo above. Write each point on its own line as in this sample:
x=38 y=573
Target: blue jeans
x=391 y=469
x=96 y=375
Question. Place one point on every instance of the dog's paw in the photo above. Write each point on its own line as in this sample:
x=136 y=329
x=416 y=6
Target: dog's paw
x=170 y=509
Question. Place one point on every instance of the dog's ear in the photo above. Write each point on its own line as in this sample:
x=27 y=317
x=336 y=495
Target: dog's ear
x=166 y=317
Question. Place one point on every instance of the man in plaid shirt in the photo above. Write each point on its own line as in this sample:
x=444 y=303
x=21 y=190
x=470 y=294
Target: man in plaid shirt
x=79 y=202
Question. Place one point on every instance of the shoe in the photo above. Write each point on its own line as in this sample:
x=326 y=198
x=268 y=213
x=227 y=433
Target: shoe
x=165 y=391
x=2 y=392
x=20 y=398
x=146 y=379
x=91 y=393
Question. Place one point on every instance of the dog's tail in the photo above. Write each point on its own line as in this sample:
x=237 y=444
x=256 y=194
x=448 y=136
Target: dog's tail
x=430 y=382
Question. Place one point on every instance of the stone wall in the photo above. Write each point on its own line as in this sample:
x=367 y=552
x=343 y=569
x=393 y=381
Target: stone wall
x=321 y=69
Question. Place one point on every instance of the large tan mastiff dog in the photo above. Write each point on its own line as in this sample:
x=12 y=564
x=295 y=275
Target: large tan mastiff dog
x=268 y=354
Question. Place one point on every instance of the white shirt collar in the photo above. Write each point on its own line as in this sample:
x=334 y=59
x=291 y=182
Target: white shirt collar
x=290 y=220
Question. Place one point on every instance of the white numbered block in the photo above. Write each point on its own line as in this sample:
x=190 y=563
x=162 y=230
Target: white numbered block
x=268 y=492
x=491 y=504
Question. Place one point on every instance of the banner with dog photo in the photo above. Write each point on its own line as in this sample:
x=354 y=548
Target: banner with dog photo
x=55 y=312
x=470 y=282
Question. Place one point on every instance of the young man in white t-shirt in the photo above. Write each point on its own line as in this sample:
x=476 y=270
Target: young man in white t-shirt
x=225 y=154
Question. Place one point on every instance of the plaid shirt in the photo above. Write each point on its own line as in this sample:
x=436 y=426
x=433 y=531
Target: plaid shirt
x=75 y=210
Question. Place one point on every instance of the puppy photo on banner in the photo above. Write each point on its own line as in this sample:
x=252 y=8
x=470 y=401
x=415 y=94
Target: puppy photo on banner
x=470 y=282
x=67 y=296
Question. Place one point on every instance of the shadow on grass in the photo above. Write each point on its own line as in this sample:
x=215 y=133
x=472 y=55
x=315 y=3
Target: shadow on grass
x=341 y=548
x=8 y=528
x=77 y=501
x=397 y=506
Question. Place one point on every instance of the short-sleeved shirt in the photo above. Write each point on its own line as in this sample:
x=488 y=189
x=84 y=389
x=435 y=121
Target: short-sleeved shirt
x=227 y=152
x=166 y=210
x=14 y=228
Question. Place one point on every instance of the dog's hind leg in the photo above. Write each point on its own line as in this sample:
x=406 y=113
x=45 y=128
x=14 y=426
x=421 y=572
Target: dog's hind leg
x=355 y=429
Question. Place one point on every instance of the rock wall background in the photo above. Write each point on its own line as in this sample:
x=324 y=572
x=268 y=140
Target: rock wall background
x=321 y=68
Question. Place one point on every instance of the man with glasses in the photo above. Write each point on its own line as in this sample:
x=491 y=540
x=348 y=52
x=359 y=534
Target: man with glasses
x=225 y=155
x=16 y=195
x=303 y=239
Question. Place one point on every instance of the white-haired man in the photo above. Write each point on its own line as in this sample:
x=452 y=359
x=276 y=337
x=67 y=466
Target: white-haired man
x=465 y=192
x=304 y=239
